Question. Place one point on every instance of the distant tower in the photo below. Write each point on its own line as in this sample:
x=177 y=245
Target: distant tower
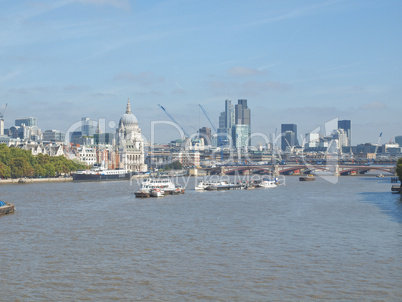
x=242 y=125
x=226 y=122
x=2 y=120
x=288 y=136
x=87 y=127
x=346 y=125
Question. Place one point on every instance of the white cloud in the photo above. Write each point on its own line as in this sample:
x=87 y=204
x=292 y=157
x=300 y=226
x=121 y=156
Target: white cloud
x=373 y=106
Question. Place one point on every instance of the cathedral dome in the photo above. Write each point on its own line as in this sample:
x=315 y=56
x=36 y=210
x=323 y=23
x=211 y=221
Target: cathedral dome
x=128 y=119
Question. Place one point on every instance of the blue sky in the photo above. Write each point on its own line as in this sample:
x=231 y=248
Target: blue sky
x=303 y=62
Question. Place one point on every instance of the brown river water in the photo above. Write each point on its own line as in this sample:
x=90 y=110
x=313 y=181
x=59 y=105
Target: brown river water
x=303 y=241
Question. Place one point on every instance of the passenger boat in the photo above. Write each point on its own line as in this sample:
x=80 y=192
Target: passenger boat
x=152 y=185
x=267 y=183
x=98 y=173
x=309 y=177
x=202 y=185
x=226 y=186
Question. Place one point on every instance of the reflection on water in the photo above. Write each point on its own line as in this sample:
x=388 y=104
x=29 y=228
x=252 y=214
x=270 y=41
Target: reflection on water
x=299 y=242
x=390 y=204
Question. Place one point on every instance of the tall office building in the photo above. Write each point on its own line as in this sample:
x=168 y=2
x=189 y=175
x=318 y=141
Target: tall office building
x=226 y=122
x=28 y=121
x=242 y=126
x=288 y=136
x=235 y=125
x=87 y=127
x=53 y=136
x=398 y=140
x=346 y=125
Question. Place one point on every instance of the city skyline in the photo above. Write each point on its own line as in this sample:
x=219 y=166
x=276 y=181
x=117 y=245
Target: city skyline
x=302 y=63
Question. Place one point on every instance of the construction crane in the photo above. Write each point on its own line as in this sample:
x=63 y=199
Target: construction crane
x=174 y=121
x=216 y=131
x=290 y=147
x=205 y=113
x=275 y=147
x=378 y=143
x=3 y=111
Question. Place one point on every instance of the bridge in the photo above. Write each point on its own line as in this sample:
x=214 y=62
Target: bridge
x=299 y=169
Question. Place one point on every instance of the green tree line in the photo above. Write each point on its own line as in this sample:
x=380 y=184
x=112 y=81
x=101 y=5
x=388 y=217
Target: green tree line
x=16 y=163
x=176 y=165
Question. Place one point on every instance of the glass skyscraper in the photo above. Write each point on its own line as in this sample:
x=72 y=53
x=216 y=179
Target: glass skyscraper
x=347 y=126
x=288 y=136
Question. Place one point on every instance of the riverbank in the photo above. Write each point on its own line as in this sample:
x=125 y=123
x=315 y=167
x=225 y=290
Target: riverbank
x=34 y=180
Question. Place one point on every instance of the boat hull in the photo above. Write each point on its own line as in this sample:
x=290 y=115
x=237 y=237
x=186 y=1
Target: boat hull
x=142 y=194
x=7 y=209
x=306 y=179
x=101 y=177
x=225 y=187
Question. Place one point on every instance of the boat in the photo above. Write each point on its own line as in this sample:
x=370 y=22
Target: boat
x=98 y=173
x=152 y=185
x=6 y=208
x=380 y=175
x=202 y=185
x=142 y=194
x=268 y=183
x=157 y=192
x=226 y=186
x=309 y=177
x=396 y=189
x=250 y=186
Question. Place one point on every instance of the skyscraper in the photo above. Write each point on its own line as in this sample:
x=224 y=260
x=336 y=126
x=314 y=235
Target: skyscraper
x=242 y=126
x=226 y=121
x=28 y=121
x=288 y=136
x=398 y=140
x=346 y=125
x=87 y=127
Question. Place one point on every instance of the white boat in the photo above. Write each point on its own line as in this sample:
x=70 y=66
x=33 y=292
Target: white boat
x=380 y=175
x=157 y=192
x=99 y=173
x=226 y=186
x=203 y=185
x=267 y=183
x=165 y=185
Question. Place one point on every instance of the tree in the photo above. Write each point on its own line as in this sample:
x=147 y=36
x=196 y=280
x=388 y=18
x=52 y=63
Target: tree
x=4 y=171
x=39 y=171
x=20 y=167
x=176 y=165
x=49 y=170
x=399 y=169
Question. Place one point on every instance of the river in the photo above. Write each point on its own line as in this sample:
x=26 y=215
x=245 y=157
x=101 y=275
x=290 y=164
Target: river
x=301 y=241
